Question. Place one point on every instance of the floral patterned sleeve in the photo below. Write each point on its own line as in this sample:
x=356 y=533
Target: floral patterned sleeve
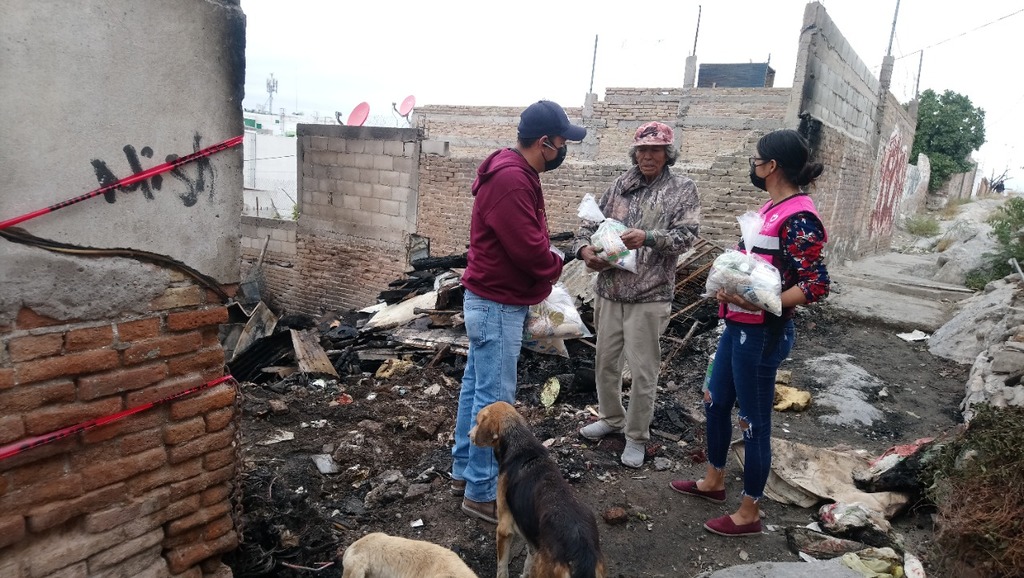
x=803 y=240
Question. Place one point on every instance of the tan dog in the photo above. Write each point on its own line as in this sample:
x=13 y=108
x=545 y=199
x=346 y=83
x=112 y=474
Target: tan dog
x=379 y=555
x=535 y=502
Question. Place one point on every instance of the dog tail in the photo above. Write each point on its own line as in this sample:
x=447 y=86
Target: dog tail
x=590 y=565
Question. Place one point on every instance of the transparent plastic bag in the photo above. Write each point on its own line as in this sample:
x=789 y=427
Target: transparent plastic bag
x=747 y=274
x=555 y=317
x=608 y=238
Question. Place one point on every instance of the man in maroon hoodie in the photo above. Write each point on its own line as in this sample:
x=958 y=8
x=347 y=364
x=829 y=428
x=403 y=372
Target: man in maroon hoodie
x=512 y=265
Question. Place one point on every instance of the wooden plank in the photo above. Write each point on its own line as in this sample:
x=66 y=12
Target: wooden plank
x=310 y=356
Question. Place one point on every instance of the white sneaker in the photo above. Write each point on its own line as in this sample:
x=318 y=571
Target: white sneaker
x=633 y=455
x=597 y=430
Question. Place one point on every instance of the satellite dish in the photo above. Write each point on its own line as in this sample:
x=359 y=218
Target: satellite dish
x=337 y=117
x=406 y=106
x=359 y=114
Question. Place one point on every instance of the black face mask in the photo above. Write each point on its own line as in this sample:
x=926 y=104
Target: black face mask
x=557 y=161
x=757 y=181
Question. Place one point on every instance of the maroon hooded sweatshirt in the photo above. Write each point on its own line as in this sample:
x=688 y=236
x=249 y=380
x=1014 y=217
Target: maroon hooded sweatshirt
x=509 y=257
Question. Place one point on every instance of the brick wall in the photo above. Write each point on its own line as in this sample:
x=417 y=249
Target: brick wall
x=148 y=495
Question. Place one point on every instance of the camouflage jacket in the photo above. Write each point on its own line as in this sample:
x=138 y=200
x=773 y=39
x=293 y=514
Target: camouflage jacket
x=669 y=210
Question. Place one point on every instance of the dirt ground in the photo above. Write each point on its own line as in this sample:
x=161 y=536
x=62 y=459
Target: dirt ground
x=390 y=439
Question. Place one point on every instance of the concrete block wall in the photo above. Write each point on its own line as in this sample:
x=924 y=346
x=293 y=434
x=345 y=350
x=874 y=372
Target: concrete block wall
x=279 y=272
x=960 y=186
x=358 y=192
x=623 y=110
x=477 y=131
x=720 y=121
x=831 y=82
x=149 y=495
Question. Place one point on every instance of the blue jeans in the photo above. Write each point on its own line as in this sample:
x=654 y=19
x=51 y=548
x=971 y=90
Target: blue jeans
x=495 y=335
x=744 y=371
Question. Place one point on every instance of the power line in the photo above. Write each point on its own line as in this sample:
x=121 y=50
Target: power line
x=965 y=33
x=271 y=158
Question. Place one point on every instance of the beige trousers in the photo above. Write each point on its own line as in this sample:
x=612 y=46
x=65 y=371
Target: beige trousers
x=630 y=332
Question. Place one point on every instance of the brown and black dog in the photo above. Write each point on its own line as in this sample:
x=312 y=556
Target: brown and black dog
x=535 y=502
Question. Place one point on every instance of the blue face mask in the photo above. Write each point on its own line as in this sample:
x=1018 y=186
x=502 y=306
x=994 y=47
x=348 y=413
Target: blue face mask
x=557 y=161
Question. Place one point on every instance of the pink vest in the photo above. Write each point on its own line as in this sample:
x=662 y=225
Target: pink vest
x=768 y=246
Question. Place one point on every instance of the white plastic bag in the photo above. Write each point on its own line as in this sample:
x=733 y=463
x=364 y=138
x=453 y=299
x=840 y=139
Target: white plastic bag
x=747 y=274
x=547 y=346
x=555 y=317
x=589 y=211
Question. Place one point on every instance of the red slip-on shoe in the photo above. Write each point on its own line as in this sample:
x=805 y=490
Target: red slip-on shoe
x=689 y=487
x=724 y=526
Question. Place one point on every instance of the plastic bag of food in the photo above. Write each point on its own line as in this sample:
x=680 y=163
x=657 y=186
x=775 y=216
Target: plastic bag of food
x=607 y=239
x=555 y=317
x=547 y=346
x=747 y=274
x=607 y=242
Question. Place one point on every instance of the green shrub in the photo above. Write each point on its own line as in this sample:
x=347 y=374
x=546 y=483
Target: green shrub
x=922 y=226
x=295 y=212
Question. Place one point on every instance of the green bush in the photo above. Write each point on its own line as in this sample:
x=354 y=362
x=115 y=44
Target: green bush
x=1008 y=230
x=922 y=226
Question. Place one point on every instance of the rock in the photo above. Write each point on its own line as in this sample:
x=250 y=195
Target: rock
x=662 y=464
x=277 y=407
x=388 y=487
x=615 y=516
x=416 y=491
x=1007 y=359
x=325 y=463
x=983 y=320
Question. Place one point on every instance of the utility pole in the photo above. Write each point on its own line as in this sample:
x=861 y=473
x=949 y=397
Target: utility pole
x=593 y=66
x=892 y=33
x=696 y=33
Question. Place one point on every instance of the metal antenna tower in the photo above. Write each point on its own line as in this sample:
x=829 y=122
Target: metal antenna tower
x=271 y=89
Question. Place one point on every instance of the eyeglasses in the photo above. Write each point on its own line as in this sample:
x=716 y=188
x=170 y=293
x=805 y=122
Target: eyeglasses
x=756 y=161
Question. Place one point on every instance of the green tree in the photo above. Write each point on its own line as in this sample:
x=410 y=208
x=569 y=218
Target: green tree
x=949 y=128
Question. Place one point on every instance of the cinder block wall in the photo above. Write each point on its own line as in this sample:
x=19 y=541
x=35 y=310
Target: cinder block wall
x=279 y=271
x=358 y=206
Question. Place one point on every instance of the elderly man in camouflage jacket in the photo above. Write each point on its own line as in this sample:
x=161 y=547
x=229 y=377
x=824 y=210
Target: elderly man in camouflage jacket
x=632 y=310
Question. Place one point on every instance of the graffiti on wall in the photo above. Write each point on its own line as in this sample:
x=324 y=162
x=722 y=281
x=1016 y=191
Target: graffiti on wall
x=196 y=176
x=891 y=180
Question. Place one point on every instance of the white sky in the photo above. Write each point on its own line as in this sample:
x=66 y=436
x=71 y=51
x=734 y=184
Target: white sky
x=330 y=55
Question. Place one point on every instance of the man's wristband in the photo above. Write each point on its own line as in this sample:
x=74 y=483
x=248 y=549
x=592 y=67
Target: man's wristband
x=648 y=239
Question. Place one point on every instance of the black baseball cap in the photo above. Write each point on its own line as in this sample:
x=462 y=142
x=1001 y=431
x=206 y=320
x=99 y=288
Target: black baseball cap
x=546 y=118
